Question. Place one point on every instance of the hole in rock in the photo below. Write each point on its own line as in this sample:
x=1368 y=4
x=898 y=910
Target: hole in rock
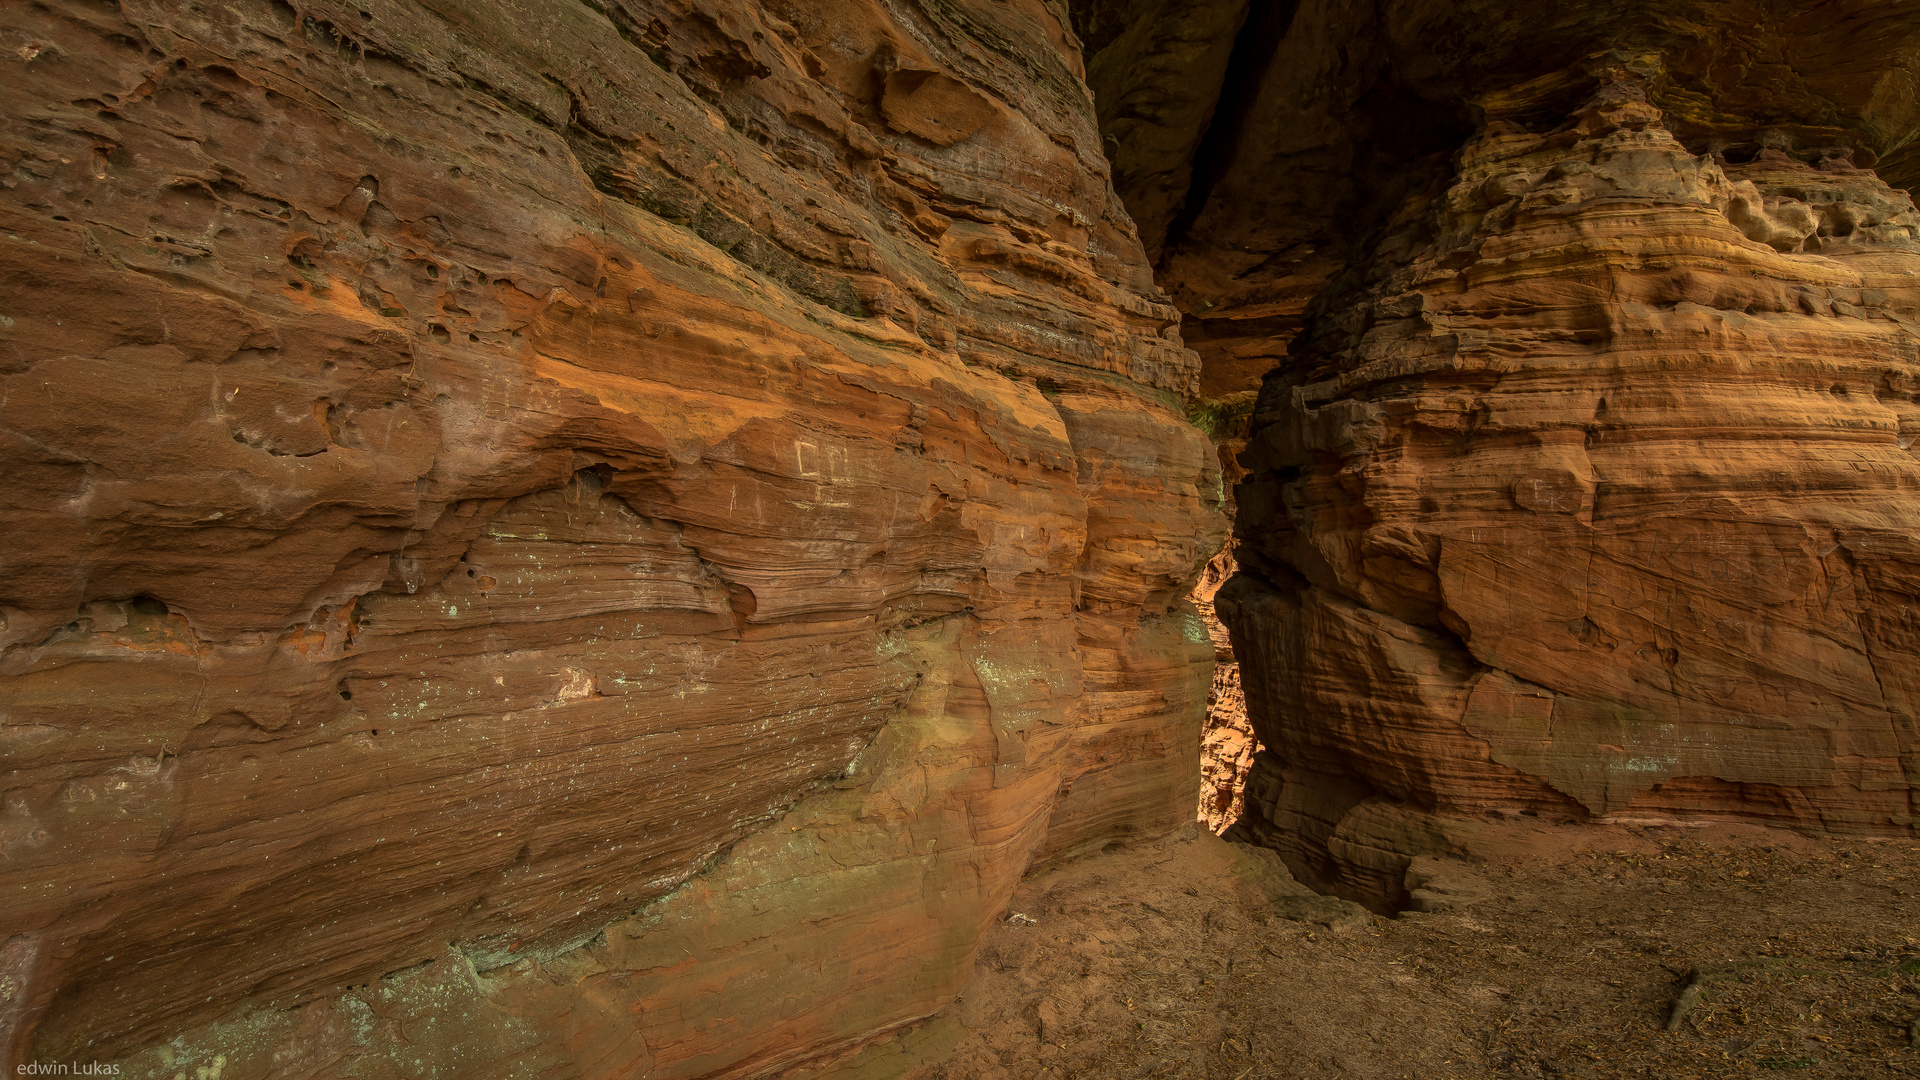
x=150 y=606
x=743 y=603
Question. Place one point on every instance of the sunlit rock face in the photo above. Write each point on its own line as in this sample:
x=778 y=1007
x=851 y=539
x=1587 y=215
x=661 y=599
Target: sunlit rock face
x=1619 y=519
x=1584 y=485
x=590 y=540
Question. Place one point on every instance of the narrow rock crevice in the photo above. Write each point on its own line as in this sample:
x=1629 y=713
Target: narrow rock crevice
x=1442 y=245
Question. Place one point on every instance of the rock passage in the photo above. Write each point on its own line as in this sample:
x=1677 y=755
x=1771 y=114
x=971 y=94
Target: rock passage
x=1581 y=478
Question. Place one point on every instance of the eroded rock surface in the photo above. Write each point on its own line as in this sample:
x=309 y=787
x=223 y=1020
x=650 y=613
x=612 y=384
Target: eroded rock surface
x=1584 y=482
x=1603 y=506
x=586 y=540
x=1228 y=743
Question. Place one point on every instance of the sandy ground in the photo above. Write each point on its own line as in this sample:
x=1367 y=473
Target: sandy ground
x=1199 y=959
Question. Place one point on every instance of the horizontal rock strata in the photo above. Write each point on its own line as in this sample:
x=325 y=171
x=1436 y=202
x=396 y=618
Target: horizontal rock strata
x=590 y=540
x=1604 y=506
x=1583 y=484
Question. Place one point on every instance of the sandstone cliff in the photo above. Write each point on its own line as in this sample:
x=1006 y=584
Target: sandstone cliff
x=603 y=539
x=578 y=539
x=1584 y=485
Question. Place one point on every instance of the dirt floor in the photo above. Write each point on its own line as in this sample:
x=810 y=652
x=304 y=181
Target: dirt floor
x=1199 y=959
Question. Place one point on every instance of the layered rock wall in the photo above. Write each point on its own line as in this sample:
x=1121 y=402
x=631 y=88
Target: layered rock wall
x=1604 y=506
x=1583 y=481
x=590 y=540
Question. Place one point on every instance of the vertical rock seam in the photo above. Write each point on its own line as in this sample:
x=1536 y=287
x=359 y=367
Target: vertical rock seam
x=1581 y=477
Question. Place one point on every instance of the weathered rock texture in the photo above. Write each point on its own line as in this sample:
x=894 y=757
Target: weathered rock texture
x=566 y=539
x=1586 y=484
x=1227 y=741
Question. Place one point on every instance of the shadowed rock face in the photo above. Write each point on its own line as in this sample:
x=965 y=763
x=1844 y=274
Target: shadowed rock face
x=1584 y=482
x=603 y=539
x=586 y=539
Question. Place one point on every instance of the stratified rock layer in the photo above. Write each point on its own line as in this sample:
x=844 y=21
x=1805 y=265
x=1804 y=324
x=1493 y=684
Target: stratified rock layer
x=1602 y=504
x=1582 y=483
x=579 y=540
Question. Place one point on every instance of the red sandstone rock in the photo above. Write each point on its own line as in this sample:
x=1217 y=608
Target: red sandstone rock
x=1227 y=741
x=1604 y=508
x=1583 y=482
x=601 y=539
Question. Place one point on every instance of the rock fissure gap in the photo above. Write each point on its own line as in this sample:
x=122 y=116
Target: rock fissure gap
x=1490 y=272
